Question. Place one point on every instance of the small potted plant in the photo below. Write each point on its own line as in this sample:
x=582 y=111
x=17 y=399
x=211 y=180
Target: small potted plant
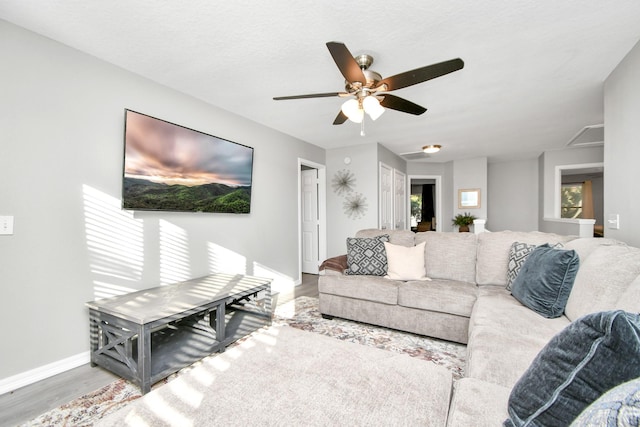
x=463 y=221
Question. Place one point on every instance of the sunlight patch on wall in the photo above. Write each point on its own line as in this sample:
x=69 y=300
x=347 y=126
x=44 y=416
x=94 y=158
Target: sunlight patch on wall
x=223 y=260
x=280 y=281
x=115 y=243
x=174 y=254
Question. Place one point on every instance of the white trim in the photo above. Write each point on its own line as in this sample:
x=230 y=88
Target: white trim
x=438 y=180
x=381 y=206
x=34 y=375
x=322 y=212
x=557 y=186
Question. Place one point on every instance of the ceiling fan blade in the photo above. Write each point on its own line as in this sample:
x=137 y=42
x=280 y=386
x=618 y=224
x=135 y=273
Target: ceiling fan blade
x=419 y=75
x=396 y=103
x=346 y=63
x=340 y=118
x=311 y=95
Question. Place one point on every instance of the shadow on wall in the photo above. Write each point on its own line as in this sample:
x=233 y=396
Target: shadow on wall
x=116 y=247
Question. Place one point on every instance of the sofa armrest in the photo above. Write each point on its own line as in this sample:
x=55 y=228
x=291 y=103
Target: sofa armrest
x=335 y=264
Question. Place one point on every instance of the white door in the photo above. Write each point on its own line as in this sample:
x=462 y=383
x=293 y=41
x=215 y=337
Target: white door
x=400 y=197
x=310 y=221
x=386 y=197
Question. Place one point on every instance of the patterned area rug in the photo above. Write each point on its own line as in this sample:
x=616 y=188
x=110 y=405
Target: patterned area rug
x=301 y=313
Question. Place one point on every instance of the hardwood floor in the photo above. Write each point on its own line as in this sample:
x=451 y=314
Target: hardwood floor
x=28 y=402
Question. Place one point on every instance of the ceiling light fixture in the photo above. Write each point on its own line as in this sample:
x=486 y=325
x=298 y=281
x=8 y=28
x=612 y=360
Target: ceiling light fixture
x=354 y=109
x=430 y=149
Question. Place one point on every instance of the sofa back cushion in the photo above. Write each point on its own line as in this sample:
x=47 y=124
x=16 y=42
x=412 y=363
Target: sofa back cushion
x=630 y=298
x=584 y=246
x=449 y=256
x=396 y=237
x=602 y=279
x=493 y=252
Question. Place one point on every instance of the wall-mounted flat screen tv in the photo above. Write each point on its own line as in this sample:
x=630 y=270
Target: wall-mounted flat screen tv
x=168 y=167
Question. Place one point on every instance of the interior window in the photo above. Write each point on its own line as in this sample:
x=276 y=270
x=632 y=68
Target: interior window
x=571 y=201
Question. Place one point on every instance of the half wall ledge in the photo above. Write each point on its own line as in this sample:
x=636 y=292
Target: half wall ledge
x=570 y=227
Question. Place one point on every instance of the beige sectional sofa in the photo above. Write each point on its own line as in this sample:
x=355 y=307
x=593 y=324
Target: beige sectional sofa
x=466 y=301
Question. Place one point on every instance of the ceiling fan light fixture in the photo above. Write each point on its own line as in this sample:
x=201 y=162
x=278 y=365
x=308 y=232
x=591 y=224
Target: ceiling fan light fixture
x=372 y=107
x=352 y=110
x=430 y=149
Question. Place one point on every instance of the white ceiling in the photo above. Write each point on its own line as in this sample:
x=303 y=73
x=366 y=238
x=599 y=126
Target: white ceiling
x=533 y=75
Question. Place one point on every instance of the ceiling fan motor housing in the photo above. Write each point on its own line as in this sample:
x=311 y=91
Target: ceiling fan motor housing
x=373 y=78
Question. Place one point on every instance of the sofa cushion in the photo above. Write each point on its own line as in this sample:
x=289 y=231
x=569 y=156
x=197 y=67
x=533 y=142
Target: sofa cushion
x=630 y=298
x=405 y=263
x=478 y=403
x=589 y=357
x=366 y=255
x=584 y=246
x=449 y=256
x=369 y=288
x=505 y=336
x=546 y=279
x=397 y=237
x=602 y=279
x=620 y=406
x=493 y=252
x=446 y=296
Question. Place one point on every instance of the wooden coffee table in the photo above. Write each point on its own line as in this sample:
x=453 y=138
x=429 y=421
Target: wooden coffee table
x=147 y=335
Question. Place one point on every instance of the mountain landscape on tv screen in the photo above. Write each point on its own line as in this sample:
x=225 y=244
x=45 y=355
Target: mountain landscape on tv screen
x=147 y=195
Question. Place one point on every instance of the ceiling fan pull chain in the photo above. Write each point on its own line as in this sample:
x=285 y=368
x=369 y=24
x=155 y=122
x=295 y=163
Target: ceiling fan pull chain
x=362 y=127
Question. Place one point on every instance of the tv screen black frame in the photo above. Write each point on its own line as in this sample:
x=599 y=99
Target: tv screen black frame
x=170 y=167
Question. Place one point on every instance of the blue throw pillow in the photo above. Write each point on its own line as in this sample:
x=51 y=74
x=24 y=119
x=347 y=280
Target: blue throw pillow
x=589 y=357
x=367 y=255
x=545 y=280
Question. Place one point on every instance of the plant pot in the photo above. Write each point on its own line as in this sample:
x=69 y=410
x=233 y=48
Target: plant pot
x=463 y=229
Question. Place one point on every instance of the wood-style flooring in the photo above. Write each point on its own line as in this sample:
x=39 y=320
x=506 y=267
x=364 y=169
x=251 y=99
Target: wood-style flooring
x=28 y=402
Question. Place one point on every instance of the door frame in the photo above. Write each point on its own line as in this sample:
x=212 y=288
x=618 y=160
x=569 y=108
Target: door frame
x=322 y=212
x=438 y=180
x=381 y=204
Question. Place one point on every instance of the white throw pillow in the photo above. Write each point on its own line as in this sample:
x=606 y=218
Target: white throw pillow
x=405 y=263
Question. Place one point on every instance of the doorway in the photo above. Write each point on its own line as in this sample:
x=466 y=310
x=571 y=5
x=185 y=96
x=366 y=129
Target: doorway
x=312 y=243
x=424 y=204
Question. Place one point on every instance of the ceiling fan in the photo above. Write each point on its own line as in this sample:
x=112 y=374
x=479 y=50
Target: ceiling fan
x=366 y=89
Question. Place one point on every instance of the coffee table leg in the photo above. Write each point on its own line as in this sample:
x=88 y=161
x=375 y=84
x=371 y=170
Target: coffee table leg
x=93 y=335
x=220 y=326
x=144 y=359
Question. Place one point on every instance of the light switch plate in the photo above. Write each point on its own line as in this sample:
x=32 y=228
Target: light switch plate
x=6 y=224
x=613 y=221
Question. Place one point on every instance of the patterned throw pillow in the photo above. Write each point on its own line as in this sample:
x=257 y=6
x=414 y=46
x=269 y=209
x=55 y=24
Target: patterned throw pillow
x=620 y=406
x=367 y=256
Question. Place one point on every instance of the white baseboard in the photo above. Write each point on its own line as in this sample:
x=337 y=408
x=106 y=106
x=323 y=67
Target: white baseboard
x=34 y=375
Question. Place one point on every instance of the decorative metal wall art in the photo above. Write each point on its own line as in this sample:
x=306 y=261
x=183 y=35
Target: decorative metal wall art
x=355 y=205
x=343 y=182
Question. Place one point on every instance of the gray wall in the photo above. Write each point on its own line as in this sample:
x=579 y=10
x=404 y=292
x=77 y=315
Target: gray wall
x=364 y=168
x=513 y=197
x=622 y=148
x=471 y=174
x=62 y=119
